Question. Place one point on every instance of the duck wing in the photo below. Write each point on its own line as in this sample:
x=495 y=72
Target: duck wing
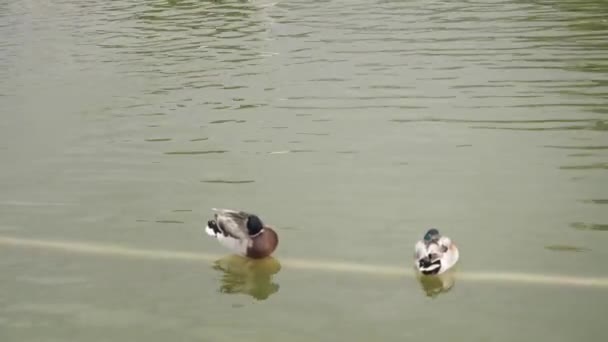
x=420 y=250
x=232 y=222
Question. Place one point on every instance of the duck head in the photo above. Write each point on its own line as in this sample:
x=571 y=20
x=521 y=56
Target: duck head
x=432 y=235
x=254 y=225
x=264 y=239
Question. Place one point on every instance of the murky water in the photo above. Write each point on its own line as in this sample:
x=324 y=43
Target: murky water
x=352 y=126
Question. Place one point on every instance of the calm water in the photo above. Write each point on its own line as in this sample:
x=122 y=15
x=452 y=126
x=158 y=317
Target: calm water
x=124 y=122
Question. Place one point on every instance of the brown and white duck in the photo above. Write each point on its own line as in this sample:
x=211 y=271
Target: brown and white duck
x=243 y=233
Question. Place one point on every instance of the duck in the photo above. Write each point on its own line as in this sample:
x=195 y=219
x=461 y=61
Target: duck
x=435 y=253
x=243 y=233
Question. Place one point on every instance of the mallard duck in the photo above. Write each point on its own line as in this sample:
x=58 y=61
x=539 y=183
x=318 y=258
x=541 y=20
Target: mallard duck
x=243 y=233
x=435 y=254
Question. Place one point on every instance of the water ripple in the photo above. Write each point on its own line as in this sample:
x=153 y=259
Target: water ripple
x=589 y=226
x=226 y=181
x=196 y=152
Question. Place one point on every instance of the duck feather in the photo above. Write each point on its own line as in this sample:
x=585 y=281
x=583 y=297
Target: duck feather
x=233 y=222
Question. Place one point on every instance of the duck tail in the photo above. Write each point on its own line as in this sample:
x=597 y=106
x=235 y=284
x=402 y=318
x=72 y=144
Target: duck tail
x=212 y=229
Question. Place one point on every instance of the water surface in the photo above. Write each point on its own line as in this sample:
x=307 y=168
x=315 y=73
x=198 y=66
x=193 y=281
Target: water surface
x=352 y=126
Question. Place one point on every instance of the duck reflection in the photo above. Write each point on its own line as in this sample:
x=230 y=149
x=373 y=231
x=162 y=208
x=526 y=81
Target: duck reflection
x=434 y=285
x=248 y=276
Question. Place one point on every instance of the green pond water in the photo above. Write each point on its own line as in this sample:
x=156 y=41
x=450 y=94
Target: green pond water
x=350 y=126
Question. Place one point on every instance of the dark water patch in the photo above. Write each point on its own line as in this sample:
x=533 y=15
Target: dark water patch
x=249 y=106
x=464 y=145
x=596 y=201
x=158 y=139
x=599 y=110
x=226 y=121
x=199 y=139
x=600 y=126
x=586 y=106
x=595 y=166
x=181 y=210
x=589 y=226
x=212 y=85
x=158 y=92
x=593 y=126
x=391 y=87
x=587 y=147
x=348 y=152
x=566 y=248
x=152 y=114
x=195 y=152
x=553 y=128
x=325 y=108
x=492 y=121
x=475 y=86
x=170 y=221
x=302 y=151
x=225 y=181
x=234 y=87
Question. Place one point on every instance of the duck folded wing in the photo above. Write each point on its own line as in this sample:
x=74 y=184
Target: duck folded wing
x=232 y=222
x=445 y=243
x=420 y=250
x=434 y=251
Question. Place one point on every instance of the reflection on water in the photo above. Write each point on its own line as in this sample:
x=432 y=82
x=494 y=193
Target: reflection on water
x=435 y=285
x=248 y=276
